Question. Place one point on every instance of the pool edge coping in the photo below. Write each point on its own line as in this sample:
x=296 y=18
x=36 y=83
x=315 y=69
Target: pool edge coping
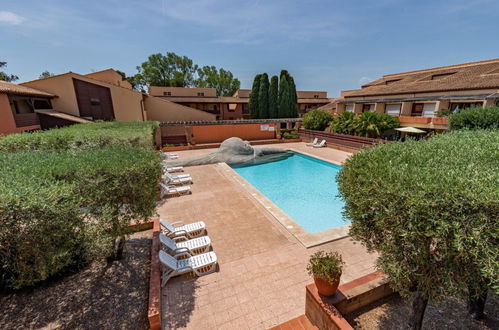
x=307 y=239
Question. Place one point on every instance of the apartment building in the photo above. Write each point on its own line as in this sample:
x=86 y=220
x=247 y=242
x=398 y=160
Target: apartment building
x=417 y=98
x=229 y=107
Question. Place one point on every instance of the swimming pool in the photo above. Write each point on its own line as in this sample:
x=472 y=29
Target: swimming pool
x=303 y=187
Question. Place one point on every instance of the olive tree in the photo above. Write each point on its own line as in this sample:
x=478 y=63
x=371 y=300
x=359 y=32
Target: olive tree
x=430 y=210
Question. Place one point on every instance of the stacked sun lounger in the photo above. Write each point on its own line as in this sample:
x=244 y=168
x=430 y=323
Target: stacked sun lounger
x=185 y=248
x=316 y=144
x=173 y=184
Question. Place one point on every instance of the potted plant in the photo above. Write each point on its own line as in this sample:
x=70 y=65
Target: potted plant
x=326 y=268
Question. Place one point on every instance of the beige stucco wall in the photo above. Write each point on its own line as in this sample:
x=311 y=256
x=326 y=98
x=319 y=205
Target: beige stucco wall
x=182 y=91
x=433 y=94
x=110 y=76
x=126 y=103
x=7 y=121
x=311 y=94
x=164 y=111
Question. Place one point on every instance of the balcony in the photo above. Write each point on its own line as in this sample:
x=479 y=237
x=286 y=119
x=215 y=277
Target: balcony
x=414 y=120
x=440 y=121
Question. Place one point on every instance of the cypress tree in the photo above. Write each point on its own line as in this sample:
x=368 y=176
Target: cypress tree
x=253 y=101
x=273 y=97
x=293 y=102
x=263 y=97
x=282 y=109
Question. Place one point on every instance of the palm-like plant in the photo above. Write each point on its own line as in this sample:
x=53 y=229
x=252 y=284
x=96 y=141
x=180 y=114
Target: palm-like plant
x=371 y=124
x=344 y=123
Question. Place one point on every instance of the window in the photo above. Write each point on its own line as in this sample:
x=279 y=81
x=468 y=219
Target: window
x=42 y=104
x=349 y=107
x=200 y=94
x=22 y=105
x=316 y=96
x=392 y=109
x=167 y=93
x=429 y=109
x=245 y=109
x=94 y=101
x=368 y=108
x=439 y=76
x=392 y=81
x=232 y=107
x=464 y=105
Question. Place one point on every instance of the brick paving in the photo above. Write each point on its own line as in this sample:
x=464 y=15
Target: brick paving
x=262 y=277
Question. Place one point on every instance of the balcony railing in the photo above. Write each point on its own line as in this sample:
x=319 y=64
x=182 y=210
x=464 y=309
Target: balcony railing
x=423 y=120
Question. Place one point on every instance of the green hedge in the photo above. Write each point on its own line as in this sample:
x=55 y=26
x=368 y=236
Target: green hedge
x=475 y=118
x=317 y=120
x=84 y=136
x=63 y=209
x=430 y=208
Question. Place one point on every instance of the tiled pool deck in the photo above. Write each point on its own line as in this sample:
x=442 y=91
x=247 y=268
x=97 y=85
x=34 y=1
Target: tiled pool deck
x=262 y=277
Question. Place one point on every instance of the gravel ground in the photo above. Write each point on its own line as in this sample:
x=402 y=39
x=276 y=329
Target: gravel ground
x=101 y=296
x=392 y=313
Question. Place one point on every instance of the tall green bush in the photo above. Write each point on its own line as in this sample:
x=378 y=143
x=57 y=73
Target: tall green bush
x=317 y=119
x=84 y=136
x=475 y=118
x=263 y=97
x=253 y=101
x=59 y=209
x=273 y=96
x=344 y=123
x=430 y=209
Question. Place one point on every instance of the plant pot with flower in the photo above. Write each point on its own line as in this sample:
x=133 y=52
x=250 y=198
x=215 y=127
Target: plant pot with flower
x=326 y=268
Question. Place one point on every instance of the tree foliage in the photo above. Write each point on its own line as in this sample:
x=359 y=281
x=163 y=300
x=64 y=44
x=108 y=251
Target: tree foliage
x=344 y=123
x=287 y=96
x=475 y=118
x=263 y=97
x=430 y=209
x=371 y=124
x=170 y=70
x=222 y=80
x=254 y=98
x=273 y=96
x=5 y=76
x=46 y=74
x=317 y=119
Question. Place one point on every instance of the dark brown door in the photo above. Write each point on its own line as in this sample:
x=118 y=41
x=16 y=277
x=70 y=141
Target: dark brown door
x=417 y=109
x=93 y=100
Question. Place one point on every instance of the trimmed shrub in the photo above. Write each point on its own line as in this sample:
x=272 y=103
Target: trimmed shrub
x=475 y=118
x=64 y=209
x=84 y=136
x=430 y=209
x=344 y=123
x=317 y=119
x=291 y=135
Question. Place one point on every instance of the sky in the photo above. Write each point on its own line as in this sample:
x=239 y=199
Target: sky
x=326 y=45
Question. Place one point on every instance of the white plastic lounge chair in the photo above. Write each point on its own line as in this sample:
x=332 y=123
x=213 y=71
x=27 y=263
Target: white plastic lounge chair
x=313 y=143
x=174 y=191
x=320 y=145
x=168 y=155
x=173 y=169
x=178 y=228
x=182 y=244
x=168 y=179
x=177 y=176
x=201 y=264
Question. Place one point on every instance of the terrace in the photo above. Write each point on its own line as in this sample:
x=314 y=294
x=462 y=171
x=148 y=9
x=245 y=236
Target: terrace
x=262 y=277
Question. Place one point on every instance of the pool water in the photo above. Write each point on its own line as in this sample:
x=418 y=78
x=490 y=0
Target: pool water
x=303 y=187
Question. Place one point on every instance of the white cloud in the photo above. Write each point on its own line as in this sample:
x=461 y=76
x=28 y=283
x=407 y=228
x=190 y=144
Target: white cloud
x=364 y=80
x=8 y=17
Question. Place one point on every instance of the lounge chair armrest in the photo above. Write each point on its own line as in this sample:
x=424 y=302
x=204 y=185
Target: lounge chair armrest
x=182 y=254
x=182 y=250
x=183 y=269
x=177 y=223
x=180 y=238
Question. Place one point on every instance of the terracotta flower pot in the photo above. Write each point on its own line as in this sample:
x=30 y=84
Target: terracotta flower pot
x=325 y=288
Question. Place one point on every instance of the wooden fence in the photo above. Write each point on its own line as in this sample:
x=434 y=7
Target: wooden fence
x=349 y=141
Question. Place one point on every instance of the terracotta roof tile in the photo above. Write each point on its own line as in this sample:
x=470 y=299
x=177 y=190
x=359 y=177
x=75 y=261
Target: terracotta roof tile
x=10 y=88
x=480 y=75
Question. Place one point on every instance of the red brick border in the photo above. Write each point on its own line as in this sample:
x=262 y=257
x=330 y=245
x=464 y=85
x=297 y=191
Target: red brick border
x=326 y=312
x=154 y=308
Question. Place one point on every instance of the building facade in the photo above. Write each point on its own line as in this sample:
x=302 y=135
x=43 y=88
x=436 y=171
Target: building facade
x=229 y=107
x=422 y=98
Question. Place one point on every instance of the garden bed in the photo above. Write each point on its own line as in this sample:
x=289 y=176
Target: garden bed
x=101 y=296
x=392 y=313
